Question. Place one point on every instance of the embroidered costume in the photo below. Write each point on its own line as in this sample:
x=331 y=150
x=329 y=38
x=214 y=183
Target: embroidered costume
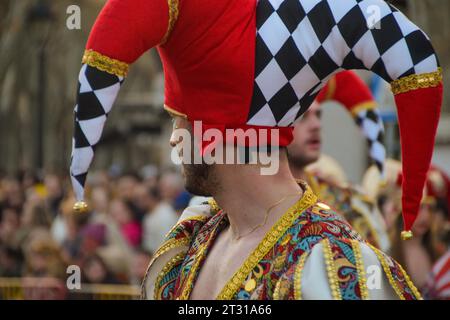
x=310 y=253
x=218 y=72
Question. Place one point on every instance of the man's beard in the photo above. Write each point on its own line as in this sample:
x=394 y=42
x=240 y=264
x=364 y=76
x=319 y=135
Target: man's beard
x=198 y=179
x=300 y=160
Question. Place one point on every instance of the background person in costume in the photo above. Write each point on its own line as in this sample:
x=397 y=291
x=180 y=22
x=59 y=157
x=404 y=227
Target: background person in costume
x=218 y=72
x=418 y=255
x=348 y=89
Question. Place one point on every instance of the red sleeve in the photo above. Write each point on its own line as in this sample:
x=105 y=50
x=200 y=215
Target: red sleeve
x=125 y=29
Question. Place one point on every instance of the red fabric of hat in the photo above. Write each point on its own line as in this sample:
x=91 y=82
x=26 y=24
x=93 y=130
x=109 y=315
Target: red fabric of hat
x=418 y=117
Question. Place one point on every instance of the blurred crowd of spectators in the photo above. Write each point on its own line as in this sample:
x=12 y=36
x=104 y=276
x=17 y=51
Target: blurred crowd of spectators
x=426 y=257
x=130 y=214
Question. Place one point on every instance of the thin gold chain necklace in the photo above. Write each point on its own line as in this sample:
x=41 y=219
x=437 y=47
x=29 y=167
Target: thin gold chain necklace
x=265 y=217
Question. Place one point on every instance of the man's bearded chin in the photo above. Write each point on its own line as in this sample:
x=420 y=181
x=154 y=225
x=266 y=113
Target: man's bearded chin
x=301 y=159
x=198 y=179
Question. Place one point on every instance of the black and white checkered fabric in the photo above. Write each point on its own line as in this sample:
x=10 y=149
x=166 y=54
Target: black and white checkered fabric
x=301 y=43
x=97 y=91
x=371 y=125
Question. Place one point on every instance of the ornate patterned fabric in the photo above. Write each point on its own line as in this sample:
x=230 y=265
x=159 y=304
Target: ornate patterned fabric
x=355 y=207
x=180 y=237
x=274 y=269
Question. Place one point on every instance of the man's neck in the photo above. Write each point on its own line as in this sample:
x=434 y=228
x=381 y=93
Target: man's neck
x=246 y=195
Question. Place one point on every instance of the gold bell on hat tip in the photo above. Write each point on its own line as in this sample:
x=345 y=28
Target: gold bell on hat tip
x=406 y=235
x=80 y=207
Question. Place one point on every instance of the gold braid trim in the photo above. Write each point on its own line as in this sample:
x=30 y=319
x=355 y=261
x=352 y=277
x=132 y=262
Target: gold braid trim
x=298 y=276
x=331 y=270
x=278 y=229
x=192 y=273
x=173 y=17
x=192 y=218
x=169 y=265
x=312 y=182
x=417 y=81
x=387 y=271
x=361 y=272
x=276 y=291
x=171 y=244
x=104 y=63
x=214 y=206
x=410 y=284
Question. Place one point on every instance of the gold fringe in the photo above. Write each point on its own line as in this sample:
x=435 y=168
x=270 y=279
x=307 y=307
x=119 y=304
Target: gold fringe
x=104 y=63
x=417 y=81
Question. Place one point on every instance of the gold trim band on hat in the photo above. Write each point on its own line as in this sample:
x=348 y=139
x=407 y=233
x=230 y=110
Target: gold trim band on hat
x=364 y=106
x=417 y=81
x=104 y=63
x=173 y=17
x=174 y=112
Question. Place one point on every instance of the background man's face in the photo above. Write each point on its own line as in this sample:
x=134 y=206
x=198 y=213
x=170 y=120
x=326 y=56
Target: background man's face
x=198 y=179
x=305 y=148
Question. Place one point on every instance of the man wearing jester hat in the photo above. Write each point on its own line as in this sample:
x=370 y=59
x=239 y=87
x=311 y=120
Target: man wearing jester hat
x=256 y=66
